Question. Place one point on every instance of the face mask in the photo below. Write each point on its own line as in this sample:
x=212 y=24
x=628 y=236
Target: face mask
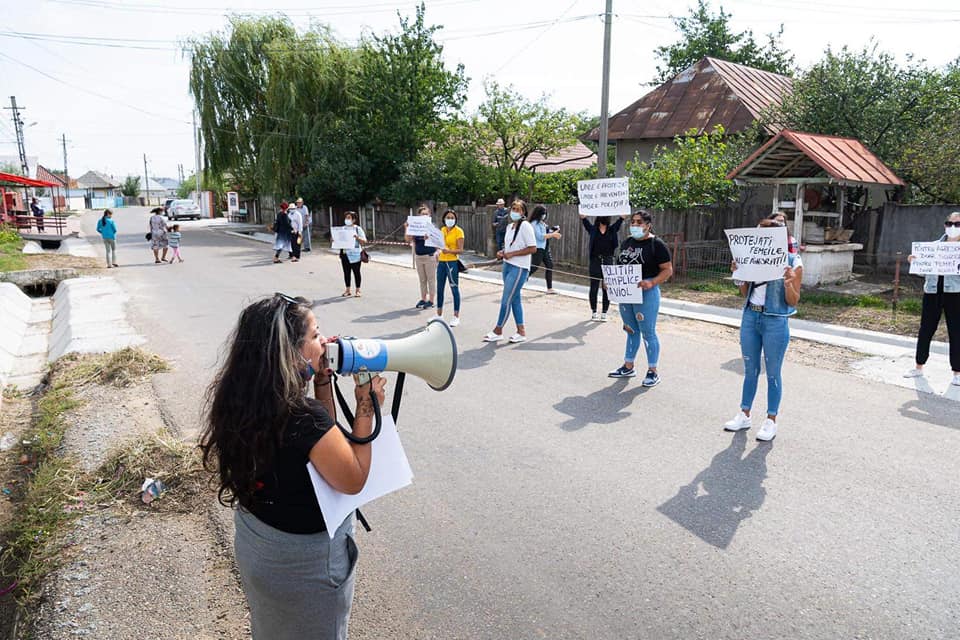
x=638 y=233
x=449 y=222
x=515 y=216
x=309 y=372
x=953 y=232
x=348 y=223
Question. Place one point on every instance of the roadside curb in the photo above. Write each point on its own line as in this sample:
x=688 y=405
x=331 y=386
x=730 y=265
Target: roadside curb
x=875 y=343
x=89 y=316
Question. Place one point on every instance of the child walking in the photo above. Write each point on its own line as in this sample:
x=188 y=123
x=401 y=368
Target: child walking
x=173 y=241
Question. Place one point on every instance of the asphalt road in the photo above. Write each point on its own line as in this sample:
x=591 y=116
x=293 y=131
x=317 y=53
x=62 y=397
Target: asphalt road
x=552 y=502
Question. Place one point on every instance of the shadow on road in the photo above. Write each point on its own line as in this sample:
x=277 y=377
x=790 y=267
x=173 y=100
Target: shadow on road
x=931 y=407
x=606 y=406
x=478 y=357
x=553 y=341
x=723 y=495
x=394 y=315
x=734 y=366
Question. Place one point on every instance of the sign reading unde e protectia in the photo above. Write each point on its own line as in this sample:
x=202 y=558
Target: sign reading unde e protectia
x=604 y=197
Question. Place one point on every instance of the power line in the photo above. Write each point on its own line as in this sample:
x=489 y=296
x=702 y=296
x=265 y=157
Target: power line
x=331 y=10
x=549 y=26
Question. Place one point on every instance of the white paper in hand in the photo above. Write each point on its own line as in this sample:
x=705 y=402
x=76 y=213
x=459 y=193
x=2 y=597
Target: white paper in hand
x=389 y=471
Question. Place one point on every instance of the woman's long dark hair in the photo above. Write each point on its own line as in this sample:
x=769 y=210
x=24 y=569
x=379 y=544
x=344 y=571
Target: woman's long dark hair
x=538 y=212
x=254 y=394
x=103 y=218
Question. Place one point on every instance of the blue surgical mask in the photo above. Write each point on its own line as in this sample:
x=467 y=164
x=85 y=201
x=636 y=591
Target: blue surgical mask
x=515 y=216
x=309 y=372
x=638 y=233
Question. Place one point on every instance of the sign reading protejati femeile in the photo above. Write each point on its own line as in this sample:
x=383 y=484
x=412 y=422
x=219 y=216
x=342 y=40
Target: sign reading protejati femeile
x=935 y=259
x=623 y=282
x=760 y=253
x=604 y=197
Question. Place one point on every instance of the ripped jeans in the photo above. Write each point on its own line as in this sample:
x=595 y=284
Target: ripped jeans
x=771 y=335
x=640 y=324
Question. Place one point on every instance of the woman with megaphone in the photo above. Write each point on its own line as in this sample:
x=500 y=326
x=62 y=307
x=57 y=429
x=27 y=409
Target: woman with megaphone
x=261 y=432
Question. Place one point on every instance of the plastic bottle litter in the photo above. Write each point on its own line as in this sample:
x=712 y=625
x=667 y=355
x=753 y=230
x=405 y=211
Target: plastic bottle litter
x=151 y=490
x=7 y=441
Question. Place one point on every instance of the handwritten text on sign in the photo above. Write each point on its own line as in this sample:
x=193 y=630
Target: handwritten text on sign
x=935 y=259
x=604 y=197
x=434 y=238
x=419 y=225
x=343 y=237
x=760 y=253
x=623 y=282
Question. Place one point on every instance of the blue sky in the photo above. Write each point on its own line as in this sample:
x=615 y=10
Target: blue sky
x=123 y=92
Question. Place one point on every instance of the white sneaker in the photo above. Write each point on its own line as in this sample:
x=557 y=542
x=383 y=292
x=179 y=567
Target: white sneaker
x=956 y=380
x=603 y=317
x=455 y=322
x=493 y=337
x=768 y=431
x=738 y=423
x=516 y=338
x=595 y=317
x=914 y=373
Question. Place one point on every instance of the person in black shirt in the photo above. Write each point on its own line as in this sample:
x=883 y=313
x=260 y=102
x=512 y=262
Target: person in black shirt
x=261 y=433
x=640 y=320
x=603 y=244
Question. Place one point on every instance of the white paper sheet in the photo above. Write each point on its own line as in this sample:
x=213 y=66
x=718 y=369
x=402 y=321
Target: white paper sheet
x=760 y=253
x=935 y=259
x=604 y=197
x=343 y=237
x=623 y=282
x=389 y=471
x=418 y=225
x=434 y=238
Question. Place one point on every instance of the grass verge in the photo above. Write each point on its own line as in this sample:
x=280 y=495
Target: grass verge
x=11 y=249
x=52 y=490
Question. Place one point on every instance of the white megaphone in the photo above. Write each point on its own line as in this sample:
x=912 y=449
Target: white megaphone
x=430 y=355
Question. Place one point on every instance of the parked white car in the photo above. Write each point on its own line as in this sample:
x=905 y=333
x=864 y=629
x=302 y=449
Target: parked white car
x=183 y=209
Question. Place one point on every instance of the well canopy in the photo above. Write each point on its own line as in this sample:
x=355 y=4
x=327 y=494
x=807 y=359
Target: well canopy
x=9 y=179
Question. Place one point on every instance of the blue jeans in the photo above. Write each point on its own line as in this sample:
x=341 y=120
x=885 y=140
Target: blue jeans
x=445 y=271
x=501 y=235
x=770 y=334
x=513 y=279
x=640 y=324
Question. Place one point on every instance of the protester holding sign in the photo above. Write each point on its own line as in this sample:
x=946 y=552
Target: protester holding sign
x=520 y=244
x=764 y=328
x=603 y=244
x=425 y=261
x=941 y=296
x=640 y=319
x=350 y=259
x=448 y=265
x=261 y=433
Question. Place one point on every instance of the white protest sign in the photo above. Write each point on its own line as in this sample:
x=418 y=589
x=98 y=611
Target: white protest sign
x=623 y=282
x=419 y=225
x=604 y=197
x=760 y=253
x=935 y=259
x=343 y=237
x=434 y=238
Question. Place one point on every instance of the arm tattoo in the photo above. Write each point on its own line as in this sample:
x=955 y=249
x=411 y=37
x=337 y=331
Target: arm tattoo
x=365 y=408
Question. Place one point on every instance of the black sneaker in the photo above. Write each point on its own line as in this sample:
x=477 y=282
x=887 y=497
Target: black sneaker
x=623 y=372
x=427 y=305
x=421 y=303
x=651 y=379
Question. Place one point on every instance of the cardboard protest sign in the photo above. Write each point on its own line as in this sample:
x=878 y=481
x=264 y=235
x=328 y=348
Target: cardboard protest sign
x=760 y=253
x=419 y=225
x=604 y=197
x=935 y=259
x=434 y=238
x=623 y=282
x=343 y=237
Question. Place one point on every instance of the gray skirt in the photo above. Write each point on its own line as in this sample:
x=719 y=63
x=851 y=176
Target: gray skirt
x=298 y=586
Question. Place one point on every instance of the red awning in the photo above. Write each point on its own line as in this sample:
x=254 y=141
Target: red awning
x=11 y=179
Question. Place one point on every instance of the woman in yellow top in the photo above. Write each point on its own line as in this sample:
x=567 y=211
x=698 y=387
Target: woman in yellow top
x=447 y=266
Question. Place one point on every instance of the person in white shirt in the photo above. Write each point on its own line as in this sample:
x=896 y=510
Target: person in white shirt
x=296 y=235
x=519 y=245
x=307 y=223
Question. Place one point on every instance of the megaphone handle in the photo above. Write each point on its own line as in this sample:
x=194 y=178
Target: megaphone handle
x=397 y=396
x=350 y=419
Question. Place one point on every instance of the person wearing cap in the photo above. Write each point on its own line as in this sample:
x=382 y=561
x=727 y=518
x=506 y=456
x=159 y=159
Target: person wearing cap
x=296 y=232
x=307 y=223
x=500 y=219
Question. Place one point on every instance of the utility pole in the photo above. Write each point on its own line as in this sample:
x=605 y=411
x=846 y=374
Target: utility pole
x=66 y=174
x=605 y=92
x=146 y=182
x=196 y=152
x=18 y=128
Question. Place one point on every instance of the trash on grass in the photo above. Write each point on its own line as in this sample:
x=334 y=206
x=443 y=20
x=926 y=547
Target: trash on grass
x=151 y=490
x=7 y=441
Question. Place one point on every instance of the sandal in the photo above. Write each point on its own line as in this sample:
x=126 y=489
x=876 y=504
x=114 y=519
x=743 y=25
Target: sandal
x=346 y=294
x=516 y=338
x=493 y=337
x=357 y=294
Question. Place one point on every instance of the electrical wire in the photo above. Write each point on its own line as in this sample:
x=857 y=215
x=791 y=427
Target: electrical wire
x=531 y=42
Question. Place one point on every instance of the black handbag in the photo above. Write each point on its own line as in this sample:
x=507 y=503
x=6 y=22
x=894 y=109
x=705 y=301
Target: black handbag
x=149 y=236
x=364 y=256
x=461 y=268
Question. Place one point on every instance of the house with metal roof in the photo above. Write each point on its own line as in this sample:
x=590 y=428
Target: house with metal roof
x=711 y=92
x=101 y=191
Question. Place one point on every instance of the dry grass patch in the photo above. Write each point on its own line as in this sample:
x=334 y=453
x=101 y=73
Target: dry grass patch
x=120 y=368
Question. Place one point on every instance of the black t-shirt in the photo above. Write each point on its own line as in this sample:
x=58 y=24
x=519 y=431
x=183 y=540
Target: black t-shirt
x=421 y=248
x=649 y=252
x=285 y=498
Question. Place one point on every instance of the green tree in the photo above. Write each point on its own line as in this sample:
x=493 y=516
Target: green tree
x=691 y=174
x=9 y=167
x=509 y=128
x=560 y=187
x=898 y=111
x=130 y=186
x=703 y=33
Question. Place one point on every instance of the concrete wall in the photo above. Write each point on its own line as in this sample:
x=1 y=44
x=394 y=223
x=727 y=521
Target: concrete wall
x=14 y=317
x=627 y=150
x=899 y=225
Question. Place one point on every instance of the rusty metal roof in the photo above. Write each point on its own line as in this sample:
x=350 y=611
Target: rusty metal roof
x=791 y=154
x=709 y=93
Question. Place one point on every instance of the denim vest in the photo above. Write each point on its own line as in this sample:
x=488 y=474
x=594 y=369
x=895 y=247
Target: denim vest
x=776 y=302
x=951 y=284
